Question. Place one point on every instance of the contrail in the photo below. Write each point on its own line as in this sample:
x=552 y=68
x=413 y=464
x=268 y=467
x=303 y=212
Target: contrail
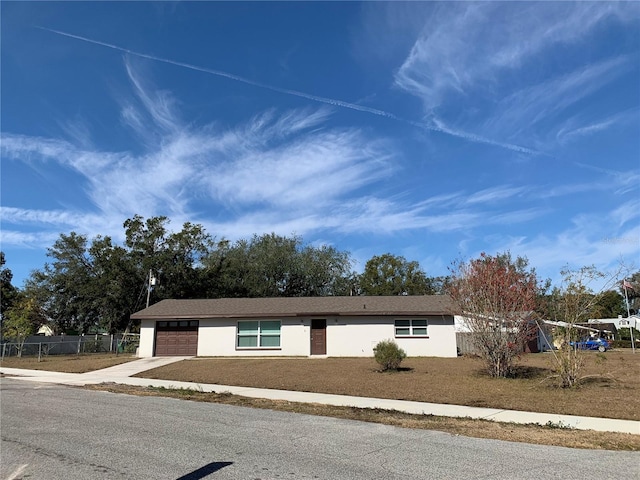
x=231 y=76
x=329 y=101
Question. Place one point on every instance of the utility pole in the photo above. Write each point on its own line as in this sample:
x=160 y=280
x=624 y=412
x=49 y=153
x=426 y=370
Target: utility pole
x=151 y=283
x=626 y=285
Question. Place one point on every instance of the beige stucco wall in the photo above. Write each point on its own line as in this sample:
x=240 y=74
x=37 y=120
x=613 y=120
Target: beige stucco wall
x=147 y=332
x=217 y=338
x=357 y=336
x=346 y=337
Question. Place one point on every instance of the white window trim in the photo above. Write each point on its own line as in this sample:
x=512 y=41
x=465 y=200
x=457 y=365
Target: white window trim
x=411 y=328
x=259 y=335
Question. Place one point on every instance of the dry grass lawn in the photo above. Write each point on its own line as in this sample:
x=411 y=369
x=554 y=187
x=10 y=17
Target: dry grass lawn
x=611 y=389
x=68 y=363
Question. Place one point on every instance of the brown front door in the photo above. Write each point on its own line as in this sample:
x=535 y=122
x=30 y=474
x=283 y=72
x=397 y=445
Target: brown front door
x=318 y=337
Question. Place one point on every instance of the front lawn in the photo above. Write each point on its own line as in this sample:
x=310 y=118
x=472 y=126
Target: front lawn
x=612 y=389
x=83 y=363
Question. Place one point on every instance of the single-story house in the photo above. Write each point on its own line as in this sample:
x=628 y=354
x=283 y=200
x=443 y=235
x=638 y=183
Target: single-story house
x=297 y=326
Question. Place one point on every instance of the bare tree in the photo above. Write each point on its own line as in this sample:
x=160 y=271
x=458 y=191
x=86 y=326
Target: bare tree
x=496 y=295
x=570 y=305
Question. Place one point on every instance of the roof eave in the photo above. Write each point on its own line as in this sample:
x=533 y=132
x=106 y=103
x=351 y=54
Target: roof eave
x=289 y=315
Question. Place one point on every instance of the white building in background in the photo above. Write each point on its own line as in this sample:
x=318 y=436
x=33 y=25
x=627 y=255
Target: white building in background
x=621 y=322
x=45 y=330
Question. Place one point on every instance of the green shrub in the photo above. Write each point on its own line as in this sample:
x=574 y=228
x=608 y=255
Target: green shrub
x=92 y=346
x=625 y=333
x=388 y=355
x=130 y=347
x=623 y=344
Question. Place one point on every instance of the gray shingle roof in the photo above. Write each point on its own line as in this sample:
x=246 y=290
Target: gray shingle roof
x=298 y=306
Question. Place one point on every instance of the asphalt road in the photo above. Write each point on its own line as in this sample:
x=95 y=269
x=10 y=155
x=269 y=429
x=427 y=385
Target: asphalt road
x=55 y=432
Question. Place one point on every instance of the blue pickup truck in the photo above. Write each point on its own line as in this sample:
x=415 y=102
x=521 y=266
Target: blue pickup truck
x=599 y=344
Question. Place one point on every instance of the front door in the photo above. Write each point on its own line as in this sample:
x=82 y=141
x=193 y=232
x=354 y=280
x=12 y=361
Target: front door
x=318 y=337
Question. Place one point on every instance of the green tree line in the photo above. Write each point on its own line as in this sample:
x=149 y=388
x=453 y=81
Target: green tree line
x=97 y=283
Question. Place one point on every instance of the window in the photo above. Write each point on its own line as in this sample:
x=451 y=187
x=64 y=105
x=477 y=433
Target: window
x=416 y=327
x=175 y=326
x=259 y=334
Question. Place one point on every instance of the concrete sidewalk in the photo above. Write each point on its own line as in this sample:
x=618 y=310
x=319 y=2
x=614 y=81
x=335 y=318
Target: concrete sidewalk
x=122 y=374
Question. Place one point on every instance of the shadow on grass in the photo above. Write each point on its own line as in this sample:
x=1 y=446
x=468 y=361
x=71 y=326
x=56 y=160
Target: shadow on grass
x=528 y=372
x=519 y=372
x=597 y=381
x=396 y=370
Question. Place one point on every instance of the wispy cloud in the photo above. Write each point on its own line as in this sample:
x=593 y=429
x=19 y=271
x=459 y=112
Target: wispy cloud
x=289 y=167
x=493 y=58
x=294 y=173
x=78 y=131
x=29 y=148
x=27 y=240
x=52 y=217
x=626 y=212
x=464 y=45
x=160 y=112
x=312 y=170
x=620 y=182
x=158 y=104
x=302 y=184
x=43 y=227
x=494 y=194
x=283 y=171
x=603 y=239
x=513 y=217
x=543 y=101
x=578 y=127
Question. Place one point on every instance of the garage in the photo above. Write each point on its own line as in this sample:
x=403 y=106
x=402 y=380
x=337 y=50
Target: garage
x=179 y=337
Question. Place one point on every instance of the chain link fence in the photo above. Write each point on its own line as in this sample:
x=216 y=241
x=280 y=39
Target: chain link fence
x=41 y=346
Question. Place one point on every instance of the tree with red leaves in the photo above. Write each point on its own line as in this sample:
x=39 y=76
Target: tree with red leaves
x=497 y=296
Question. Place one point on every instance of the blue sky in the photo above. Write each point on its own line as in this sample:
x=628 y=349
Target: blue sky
x=430 y=130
